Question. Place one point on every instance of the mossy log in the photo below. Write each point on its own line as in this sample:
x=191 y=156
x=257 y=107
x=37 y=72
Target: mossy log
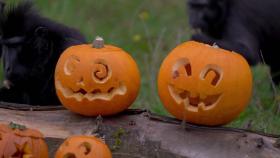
x=140 y=134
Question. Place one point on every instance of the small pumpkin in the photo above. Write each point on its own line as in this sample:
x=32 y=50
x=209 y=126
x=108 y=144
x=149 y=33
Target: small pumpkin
x=204 y=84
x=83 y=147
x=96 y=79
x=16 y=141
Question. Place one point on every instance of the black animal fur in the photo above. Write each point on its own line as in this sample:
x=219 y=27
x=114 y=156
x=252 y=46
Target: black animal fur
x=31 y=46
x=248 y=27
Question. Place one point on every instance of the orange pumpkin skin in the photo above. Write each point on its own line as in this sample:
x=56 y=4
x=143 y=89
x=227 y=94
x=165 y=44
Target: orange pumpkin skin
x=203 y=84
x=96 y=81
x=83 y=147
x=27 y=143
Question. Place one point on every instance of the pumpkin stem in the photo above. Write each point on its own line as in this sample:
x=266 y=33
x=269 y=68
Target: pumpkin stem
x=98 y=42
x=14 y=126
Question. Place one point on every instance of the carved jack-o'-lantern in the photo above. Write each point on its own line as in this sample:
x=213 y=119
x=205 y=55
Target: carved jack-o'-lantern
x=204 y=84
x=83 y=147
x=96 y=79
x=16 y=141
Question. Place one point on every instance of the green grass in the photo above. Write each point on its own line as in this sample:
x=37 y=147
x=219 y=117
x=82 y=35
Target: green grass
x=148 y=30
x=261 y=112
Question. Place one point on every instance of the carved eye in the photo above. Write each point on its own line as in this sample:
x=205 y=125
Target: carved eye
x=182 y=66
x=69 y=155
x=86 y=147
x=101 y=71
x=71 y=65
x=188 y=69
x=22 y=150
x=212 y=73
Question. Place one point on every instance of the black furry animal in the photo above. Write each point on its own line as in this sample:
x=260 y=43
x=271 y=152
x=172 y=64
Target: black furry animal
x=31 y=46
x=2 y=5
x=245 y=26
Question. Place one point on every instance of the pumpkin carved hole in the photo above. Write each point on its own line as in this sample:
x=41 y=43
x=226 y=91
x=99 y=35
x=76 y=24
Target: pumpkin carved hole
x=22 y=151
x=193 y=100
x=184 y=94
x=110 y=90
x=216 y=76
x=180 y=66
x=82 y=91
x=101 y=72
x=81 y=94
x=86 y=147
x=69 y=155
x=176 y=74
x=96 y=91
x=81 y=81
x=188 y=69
x=213 y=73
x=71 y=64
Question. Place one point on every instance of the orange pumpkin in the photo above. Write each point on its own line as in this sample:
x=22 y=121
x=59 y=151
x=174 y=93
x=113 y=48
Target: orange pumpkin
x=204 y=84
x=96 y=79
x=83 y=147
x=18 y=142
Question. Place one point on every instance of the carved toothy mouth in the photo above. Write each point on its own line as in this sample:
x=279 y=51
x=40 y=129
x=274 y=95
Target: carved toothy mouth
x=193 y=102
x=81 y=94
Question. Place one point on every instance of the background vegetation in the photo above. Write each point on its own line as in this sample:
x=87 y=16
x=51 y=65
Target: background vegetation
x=148 y=30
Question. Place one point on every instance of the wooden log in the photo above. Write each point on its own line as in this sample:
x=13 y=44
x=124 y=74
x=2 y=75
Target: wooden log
x=140 y=134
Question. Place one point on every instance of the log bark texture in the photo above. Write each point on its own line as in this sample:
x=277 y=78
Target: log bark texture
x=140 y=134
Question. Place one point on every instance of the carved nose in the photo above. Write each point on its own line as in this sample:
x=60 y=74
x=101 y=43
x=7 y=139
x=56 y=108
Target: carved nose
x=80 y=82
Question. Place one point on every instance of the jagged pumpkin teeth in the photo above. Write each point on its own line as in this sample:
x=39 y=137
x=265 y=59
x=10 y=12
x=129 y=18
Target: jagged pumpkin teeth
x=96 y=79
x=17 y=141
x=204 y=84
